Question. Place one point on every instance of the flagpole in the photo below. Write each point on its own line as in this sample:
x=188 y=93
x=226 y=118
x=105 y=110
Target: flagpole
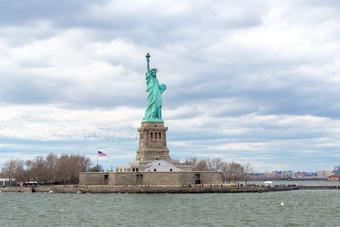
x=97 y=161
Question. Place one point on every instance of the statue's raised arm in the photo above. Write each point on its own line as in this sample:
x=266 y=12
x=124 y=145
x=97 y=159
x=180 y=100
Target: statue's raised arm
x=148 y=62
x=153 y=111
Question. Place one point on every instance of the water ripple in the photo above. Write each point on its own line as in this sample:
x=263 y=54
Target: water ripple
x=301 y=208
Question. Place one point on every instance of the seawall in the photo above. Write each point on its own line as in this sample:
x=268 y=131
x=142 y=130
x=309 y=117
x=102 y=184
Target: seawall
x=145 y=190
x=159 y=189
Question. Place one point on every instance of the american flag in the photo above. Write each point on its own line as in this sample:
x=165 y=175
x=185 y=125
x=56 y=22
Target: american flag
x=101 y=153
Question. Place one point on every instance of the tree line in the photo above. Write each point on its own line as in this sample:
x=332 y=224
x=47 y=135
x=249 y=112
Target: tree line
x=53 y=169
x=231 y=171
x=65 y=169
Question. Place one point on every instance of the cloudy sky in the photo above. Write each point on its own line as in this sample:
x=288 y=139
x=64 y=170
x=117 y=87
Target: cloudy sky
x=248 y=81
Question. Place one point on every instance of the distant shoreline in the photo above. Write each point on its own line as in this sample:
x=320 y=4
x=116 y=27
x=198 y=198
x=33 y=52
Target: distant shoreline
x=294 y=179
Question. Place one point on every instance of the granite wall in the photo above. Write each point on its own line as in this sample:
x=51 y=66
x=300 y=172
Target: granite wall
x=150 y=178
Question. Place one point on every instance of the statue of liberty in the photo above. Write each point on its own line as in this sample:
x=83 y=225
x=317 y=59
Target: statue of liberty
x=153 y=111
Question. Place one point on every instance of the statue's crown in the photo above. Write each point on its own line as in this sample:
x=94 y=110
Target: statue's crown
x=154 y=69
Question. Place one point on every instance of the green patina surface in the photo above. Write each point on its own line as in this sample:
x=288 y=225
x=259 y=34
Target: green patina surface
x=153 y=111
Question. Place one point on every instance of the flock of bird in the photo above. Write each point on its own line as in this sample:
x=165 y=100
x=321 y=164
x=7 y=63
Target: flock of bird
x=48 y=130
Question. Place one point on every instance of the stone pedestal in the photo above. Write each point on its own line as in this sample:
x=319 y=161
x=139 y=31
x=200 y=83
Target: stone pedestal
x=152 y=142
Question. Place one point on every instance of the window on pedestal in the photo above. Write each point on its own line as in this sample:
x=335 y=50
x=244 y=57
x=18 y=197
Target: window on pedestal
x=160 y=136
x=151 y=135
x=155 y=135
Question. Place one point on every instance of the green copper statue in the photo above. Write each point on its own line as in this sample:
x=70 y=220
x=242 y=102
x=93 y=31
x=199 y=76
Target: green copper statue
x=153 y=111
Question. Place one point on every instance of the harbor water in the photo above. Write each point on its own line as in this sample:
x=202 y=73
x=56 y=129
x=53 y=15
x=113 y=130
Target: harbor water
x=288 y=208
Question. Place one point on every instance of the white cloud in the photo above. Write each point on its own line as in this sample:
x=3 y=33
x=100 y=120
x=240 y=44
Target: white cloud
x=246 y=80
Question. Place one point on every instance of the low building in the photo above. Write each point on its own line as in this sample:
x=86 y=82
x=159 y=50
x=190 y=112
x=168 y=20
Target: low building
x=273 y=175
x=30 y=183
x=334 y=178
x=7 y=182
x=324 y=173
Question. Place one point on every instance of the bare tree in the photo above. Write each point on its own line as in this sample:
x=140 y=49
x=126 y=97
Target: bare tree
x=62 y=169
x=216 y=164
x=51 y=162
x=96 y=168
x=247 y=169
x=27 y=170
x=12 y=169
x=52 y=169
x=227 y=172
x=69 y=167
x=236 y=171
x=231 y=172
x=192 y=162
x=39 y=170
x=202 y=165
x=77 y=164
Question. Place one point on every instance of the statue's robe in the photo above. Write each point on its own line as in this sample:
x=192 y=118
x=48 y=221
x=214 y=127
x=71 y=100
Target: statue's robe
x=153 y=111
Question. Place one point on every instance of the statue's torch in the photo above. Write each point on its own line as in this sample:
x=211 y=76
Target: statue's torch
x=147 y=61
